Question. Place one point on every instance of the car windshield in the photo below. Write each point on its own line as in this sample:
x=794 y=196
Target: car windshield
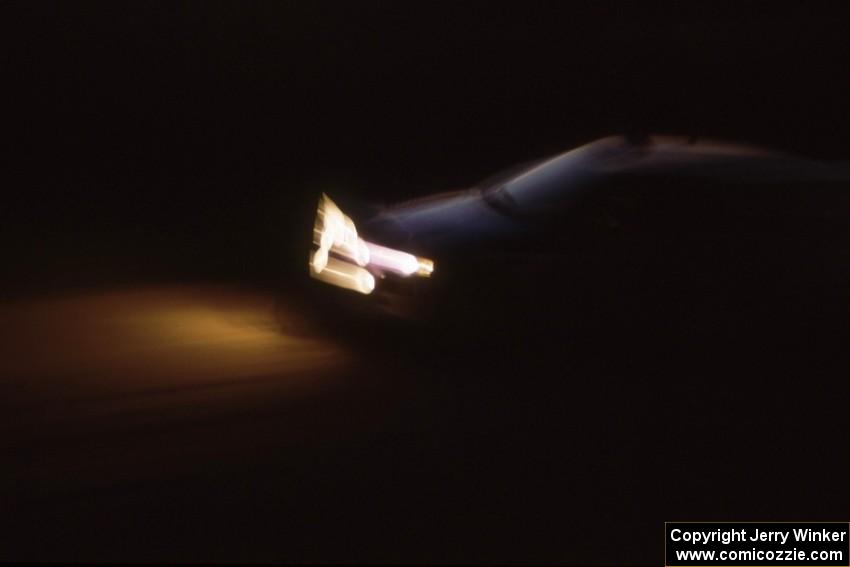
x=501 y=201
x=550 y=185
x=493 y=189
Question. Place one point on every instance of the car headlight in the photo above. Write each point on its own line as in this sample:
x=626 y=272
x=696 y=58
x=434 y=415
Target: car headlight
x=343 y=259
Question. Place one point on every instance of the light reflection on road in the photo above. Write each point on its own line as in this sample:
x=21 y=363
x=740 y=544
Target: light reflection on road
x=101 y=385
x=141 y=339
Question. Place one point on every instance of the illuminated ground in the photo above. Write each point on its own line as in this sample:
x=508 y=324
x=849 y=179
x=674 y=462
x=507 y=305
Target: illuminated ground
x=208 y=423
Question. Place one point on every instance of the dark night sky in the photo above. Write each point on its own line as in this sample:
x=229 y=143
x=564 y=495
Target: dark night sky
x=183 y=137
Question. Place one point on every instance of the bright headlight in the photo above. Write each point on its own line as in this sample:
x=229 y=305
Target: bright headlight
x=335 y=232
x=343 y=274
x=398 y=262
x=342 y=257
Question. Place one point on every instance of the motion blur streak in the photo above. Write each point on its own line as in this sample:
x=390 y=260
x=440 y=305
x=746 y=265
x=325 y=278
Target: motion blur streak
x=334 y=231
x=157 y=337
x=342 y=274
x=392 y=260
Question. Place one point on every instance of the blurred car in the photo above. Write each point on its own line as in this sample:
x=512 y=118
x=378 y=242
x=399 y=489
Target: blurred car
x=661 y=231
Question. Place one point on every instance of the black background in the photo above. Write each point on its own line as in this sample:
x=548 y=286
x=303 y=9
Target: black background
x=149 y=142
x=185 y=132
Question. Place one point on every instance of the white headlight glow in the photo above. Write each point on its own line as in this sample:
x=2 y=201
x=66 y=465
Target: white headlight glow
x=345 y=260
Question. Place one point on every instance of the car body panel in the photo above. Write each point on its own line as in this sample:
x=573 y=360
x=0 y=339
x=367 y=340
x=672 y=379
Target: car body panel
x=622 y=226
